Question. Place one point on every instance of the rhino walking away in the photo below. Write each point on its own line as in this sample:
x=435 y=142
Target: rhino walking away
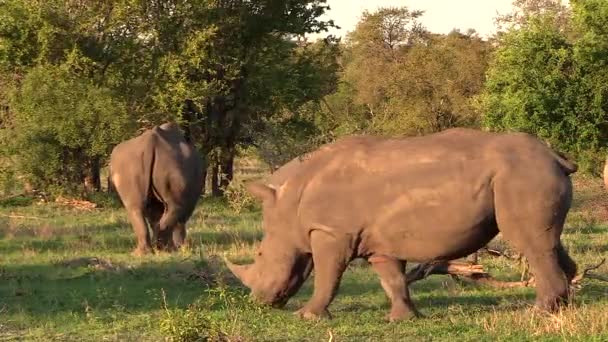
x=390 y=200
x=159 y=178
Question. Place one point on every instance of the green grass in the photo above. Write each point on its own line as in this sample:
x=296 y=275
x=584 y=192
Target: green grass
x=47 y=293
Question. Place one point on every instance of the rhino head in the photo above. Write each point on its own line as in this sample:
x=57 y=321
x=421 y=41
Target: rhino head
x=280 y=265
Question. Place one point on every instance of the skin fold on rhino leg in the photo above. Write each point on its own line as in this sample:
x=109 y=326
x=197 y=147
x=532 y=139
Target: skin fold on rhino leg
x=392 y=278
x=330 y=256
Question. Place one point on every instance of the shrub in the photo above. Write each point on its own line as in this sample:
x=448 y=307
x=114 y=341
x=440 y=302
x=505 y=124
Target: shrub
x=238 y=197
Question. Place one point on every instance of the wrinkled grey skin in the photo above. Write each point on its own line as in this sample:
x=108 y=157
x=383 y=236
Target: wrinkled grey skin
x=437 y=197
x=158 y=176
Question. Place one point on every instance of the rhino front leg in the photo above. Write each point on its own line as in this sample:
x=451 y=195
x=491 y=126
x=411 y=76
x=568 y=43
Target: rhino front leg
x=179 y=235
x=330 y=255
x=393 y=280
x=171 y=229
x=166 y=223
x=154 y=211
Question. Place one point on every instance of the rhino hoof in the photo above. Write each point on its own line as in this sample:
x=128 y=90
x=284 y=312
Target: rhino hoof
x=312 y=316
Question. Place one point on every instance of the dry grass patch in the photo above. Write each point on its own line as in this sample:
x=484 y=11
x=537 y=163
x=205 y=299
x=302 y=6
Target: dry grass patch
x=569 y=323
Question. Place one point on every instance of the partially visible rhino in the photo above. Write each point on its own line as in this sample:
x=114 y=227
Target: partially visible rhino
x=432 y=198
x=159 y=177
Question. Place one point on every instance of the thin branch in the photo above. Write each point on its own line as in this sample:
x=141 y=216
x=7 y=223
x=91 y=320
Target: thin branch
x=586 y=273
x=474 y=273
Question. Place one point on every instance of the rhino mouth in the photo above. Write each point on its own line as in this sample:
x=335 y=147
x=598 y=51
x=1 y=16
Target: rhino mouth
x=276 y=295
x=299 y=273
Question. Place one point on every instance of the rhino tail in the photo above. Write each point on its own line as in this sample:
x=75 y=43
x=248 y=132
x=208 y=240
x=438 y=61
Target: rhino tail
x=568 y=166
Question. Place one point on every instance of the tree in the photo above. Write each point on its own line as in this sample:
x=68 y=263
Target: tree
x=591 y=86
x=60 y=123
x=527 y=82
x=435 y=85
x=525 y=10
x=221 y=70
x=79 y=42
x=550 y=83
x=302 y=80
x=215 y=66
x=407 y=81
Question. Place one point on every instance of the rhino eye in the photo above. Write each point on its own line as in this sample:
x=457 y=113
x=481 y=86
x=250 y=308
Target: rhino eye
x=259 y=253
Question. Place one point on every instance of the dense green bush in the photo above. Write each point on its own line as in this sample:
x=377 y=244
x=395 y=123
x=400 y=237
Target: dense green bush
x=551 y=82
x=62 y=124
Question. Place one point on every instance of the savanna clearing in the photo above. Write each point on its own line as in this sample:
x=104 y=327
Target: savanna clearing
x=66 y=274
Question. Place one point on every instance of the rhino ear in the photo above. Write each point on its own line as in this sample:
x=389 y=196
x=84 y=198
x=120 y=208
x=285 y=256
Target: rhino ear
x=261 y=191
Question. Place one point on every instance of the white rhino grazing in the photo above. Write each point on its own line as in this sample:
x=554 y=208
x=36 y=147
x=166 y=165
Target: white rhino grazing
x=391 y=200
x=159 y=177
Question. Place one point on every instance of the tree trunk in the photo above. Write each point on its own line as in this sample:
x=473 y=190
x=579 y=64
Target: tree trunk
x=92 y=179
x=96 y=174
x=204 y=181
x=216 y=191
x=227 y=167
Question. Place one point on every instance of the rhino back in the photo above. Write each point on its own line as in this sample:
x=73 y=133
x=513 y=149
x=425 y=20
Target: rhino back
x=413 y=189
x=158 y=161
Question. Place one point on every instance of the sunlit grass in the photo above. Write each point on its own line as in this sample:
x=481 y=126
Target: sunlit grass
x=47 y=294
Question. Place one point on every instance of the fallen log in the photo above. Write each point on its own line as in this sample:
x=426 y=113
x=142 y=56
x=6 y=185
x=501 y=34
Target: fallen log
x=474 y=273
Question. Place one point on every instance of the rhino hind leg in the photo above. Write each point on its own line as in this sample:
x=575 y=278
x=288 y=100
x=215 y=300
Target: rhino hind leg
x=330 y=255
x=136 y=216
x=165 y=240
x=534 y=227
x=392 y=278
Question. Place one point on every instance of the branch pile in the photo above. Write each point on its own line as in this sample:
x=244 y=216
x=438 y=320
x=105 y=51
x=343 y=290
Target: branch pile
x=76 y=204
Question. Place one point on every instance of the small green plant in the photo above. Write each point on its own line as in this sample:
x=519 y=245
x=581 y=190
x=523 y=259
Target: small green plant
x=197 y=322
x=190 y=325
x=238 y=197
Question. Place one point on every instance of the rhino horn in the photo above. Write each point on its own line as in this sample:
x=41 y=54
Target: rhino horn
x=240 y=271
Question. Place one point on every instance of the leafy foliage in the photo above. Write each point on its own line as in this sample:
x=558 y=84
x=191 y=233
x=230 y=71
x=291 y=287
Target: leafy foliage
x=62 y=121
x=411 y=82
x=545 y=82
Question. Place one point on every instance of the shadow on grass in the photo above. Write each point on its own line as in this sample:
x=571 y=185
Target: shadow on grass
x=225 y=237
x=43 y=239
x=428 y=295
x=46 y=230
x=47 y=290
x=16 y=201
